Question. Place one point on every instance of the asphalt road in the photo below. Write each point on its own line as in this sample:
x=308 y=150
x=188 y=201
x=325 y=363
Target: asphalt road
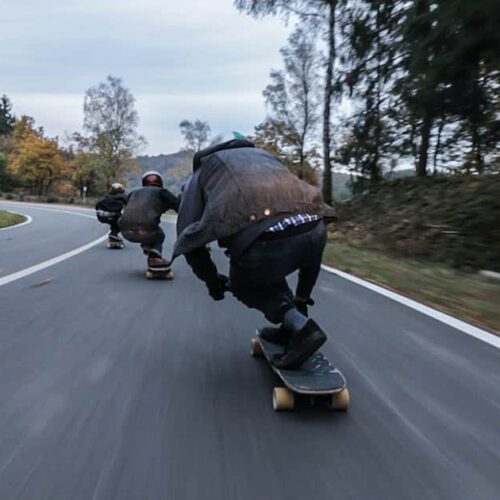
x=116 y=387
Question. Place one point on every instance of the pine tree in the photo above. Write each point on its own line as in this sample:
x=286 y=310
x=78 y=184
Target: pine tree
x=7 y=119
x=367 y=60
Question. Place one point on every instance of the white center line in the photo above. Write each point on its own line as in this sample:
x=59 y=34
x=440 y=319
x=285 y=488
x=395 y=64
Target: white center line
x=55 y=260
x=48 y=263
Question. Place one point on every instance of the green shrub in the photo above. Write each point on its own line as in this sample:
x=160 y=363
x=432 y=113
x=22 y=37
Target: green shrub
x=448 y=219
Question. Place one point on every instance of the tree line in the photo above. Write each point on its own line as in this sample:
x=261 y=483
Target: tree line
x=89 y=161
x=377 y=85
x=366 y=87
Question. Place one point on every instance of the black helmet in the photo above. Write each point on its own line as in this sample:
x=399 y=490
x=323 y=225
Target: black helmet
x=152 y=178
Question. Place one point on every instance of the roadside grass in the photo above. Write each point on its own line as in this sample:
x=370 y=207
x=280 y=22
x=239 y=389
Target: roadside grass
x=467 y=296
x=10 y=219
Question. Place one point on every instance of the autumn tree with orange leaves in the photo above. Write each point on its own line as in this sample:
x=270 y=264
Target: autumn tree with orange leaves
x=36 y=161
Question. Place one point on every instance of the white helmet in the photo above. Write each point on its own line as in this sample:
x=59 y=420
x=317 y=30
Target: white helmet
x=116 y=188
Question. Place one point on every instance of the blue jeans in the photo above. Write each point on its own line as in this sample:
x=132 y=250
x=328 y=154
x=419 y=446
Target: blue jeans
x=258 y=278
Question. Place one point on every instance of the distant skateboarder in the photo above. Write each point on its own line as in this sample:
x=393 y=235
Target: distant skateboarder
x=271 y=224
x=108 y=211
x=140 y=221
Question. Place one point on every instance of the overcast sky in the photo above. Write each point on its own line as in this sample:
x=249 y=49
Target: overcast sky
x=180 y=58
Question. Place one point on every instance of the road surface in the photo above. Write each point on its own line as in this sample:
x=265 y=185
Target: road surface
x=116 y=387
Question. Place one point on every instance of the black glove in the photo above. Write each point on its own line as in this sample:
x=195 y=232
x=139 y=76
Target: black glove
x=301 y=305
x=218 y=287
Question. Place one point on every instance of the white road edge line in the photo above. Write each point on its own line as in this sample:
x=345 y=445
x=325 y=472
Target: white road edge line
x=473 y=331
x=57 y=210
x=48 y=263
x=42 y=205
x=27 y=221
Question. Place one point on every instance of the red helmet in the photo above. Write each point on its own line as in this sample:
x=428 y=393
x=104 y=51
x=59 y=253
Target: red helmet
x=152 y=178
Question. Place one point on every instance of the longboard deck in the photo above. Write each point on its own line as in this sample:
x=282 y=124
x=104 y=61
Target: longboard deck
x=159 y=275
x=316 y=376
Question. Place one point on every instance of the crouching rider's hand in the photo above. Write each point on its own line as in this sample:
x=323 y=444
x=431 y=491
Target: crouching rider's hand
x=218 y=287
x=204 y=268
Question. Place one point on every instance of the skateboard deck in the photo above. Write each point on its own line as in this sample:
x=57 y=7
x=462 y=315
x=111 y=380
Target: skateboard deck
x=316 y=378
x=160 y=275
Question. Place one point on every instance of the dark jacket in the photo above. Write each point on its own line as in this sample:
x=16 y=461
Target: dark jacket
x=236 y=192
x=237 y=188
x=145 y=207
x=110 y=207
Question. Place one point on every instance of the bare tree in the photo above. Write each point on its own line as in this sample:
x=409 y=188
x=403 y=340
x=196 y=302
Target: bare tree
x=293 y=94
x=321 y=16
x=111 y=120
x=196 y=134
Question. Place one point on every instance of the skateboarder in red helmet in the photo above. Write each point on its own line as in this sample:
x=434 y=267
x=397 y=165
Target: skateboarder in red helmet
x=140 y=221
x=271 y=224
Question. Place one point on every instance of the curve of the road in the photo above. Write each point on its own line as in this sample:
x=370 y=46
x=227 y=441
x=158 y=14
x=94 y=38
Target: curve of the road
x=116 y=387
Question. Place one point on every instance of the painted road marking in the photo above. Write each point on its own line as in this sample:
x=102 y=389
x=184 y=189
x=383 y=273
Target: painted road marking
x=55 y=260
x=57 y=210
x=473 y=331
x=48 y=263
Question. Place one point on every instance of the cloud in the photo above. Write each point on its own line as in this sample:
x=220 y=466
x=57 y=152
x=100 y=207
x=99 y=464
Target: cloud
x=188 y=59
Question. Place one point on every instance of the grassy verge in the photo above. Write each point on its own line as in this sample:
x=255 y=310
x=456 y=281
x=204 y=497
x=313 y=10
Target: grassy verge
x=467 y=296
x=8 y=219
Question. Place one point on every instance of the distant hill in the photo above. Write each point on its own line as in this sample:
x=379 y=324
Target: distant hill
x=175 y=168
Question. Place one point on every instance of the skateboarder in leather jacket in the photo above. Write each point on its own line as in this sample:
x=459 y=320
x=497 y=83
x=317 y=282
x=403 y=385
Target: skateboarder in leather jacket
x=271 y=224
x=140 y=221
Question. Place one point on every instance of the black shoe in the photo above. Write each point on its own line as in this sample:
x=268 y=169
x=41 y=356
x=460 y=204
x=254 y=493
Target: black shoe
x=280 y=335
x=303 y=344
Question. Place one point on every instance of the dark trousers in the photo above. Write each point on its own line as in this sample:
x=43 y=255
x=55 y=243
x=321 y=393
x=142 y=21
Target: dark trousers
x=115 y=229
x=258 y=279
x=148 y=239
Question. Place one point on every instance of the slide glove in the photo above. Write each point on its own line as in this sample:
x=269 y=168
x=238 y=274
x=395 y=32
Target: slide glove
x=219 y=287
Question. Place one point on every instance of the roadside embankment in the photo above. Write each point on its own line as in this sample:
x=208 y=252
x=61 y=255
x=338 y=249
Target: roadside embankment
x=430 y=239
